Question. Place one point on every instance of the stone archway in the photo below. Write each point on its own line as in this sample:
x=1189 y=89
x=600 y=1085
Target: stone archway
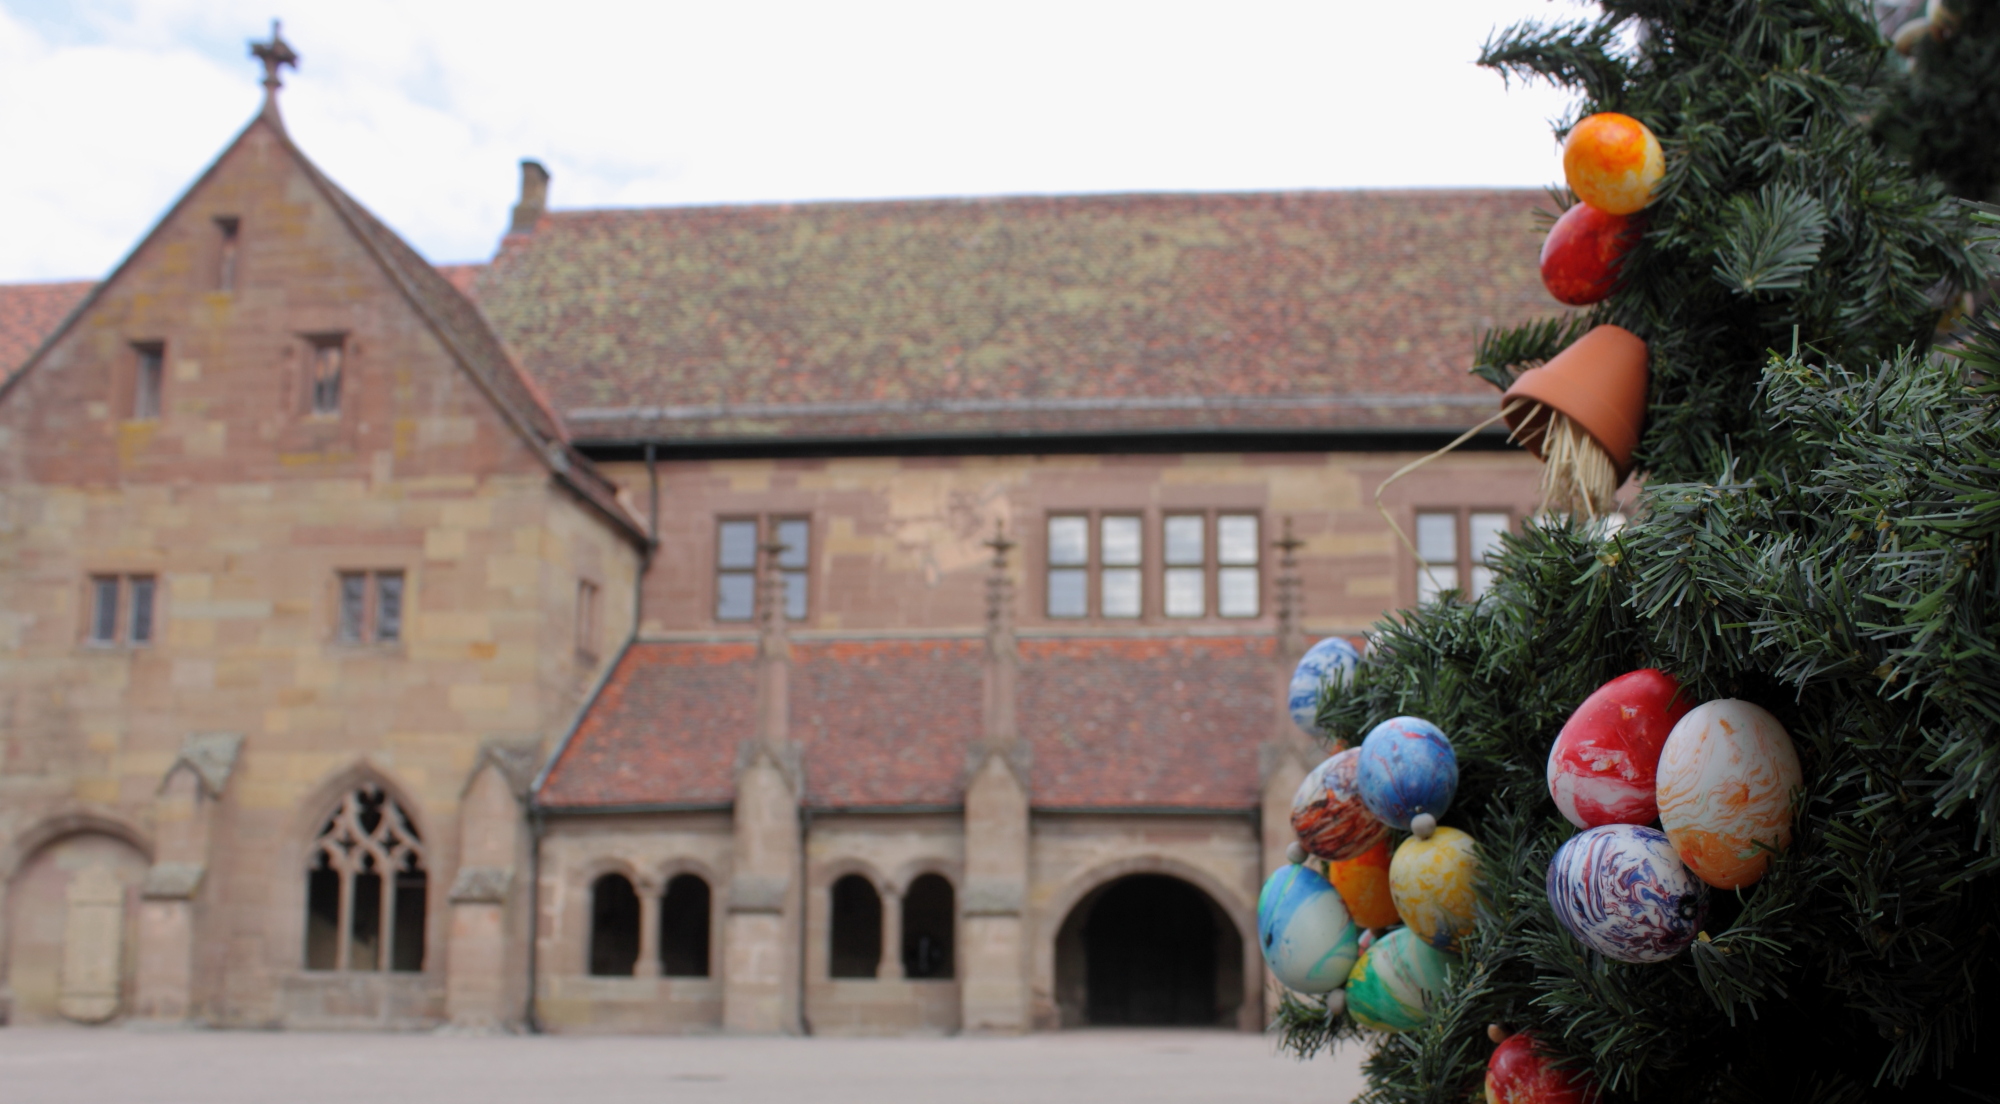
x=70 y=928
x=1148 y=949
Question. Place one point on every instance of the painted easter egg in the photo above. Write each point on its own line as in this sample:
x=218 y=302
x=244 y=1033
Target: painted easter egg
x=1580 y=257
x=1327 y=812
x=1726 y=778
x=1522 y=1071
x=1603 y=764
x=1406 y=768
x=1613 y=162
x=1391 y=987
x=1435 y=884
x=1363 y=884
x=1331 y=661
x=1305 y=932
x=1622 y=892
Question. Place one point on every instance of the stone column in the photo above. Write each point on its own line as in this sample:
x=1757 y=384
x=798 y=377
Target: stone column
x=890 y=968
x=761 y=963
x=648 y=964
x=994 y=932
x=184 y=811
x=1289 y=753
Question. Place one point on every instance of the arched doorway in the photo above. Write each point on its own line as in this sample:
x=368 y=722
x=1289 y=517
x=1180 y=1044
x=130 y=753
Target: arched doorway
x=1148 y=950
x=70 y=929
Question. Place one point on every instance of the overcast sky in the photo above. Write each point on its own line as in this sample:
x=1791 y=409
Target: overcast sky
x=423 y=108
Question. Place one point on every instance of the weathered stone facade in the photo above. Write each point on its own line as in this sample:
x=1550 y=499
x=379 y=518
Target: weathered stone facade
x=549 y=774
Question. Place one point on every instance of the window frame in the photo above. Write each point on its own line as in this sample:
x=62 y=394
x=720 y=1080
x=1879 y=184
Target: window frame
x=369 y=623
x=126 y=613
x=1465 y=559
x=587 y=592
x=765 y=526
x=229 y=229
x=146 y=400
x=319 y=346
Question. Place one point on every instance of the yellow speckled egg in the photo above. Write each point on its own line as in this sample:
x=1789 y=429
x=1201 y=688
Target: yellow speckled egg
x=1435 y=884
x=1726 y=778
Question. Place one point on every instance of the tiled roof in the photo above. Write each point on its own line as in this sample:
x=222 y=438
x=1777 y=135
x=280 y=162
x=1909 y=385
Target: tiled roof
x=462 y=276
x=29 y=313
x=1110 y=723
x=1015 y=316
x=1147 y=722
x=664 y=730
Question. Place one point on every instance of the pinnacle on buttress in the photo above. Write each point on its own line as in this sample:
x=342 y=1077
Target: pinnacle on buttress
x=1291 y=596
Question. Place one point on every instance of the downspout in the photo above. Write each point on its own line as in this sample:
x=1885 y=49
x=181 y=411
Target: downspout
x=537 y=816
x=805 y=899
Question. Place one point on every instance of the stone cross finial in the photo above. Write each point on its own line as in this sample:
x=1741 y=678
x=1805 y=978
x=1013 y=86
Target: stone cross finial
x=1291 y=595
x=275 y=54
x=771 y=592
x=999 y=585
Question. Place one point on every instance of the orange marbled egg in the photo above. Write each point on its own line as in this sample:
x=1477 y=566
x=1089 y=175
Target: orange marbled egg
x=1613 y=163
x=1363 y=882
x=1726 y=777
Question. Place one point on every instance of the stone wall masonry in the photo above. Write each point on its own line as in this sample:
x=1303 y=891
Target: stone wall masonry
x=897 y=541
x=245 y=507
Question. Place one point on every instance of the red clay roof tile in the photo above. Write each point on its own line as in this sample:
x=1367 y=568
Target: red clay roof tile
x=1110 y=723
x=1024 y=315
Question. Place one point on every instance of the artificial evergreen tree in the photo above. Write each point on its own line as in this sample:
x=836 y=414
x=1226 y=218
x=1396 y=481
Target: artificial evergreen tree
x=1818 y=532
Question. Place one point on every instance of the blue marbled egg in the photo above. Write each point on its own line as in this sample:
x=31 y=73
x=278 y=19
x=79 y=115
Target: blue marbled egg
x=1304 y=931
x=1622 y=891
x=1407 y=767
x=1331 y=660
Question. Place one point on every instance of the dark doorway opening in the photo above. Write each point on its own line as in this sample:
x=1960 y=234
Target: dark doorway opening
x=614 y=927
x=684 y=927
x=855 y=941
x=928 y=917
x=1148 y=950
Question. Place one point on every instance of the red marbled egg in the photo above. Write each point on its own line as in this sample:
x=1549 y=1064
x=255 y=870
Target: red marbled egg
x=1581 y=255
x=1604 y=766
x=1328 y=815
x=1522 y=1073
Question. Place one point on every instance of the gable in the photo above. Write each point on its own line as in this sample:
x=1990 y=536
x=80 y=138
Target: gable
x=309 y=265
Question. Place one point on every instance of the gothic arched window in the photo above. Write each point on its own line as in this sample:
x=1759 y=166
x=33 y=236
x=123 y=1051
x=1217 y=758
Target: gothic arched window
x=684 y=927
x=855 y=938
x=929 y=917
x=365 y=888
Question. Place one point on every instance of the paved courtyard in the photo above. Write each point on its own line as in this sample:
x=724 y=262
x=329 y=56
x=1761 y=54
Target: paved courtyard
x=217 y=1067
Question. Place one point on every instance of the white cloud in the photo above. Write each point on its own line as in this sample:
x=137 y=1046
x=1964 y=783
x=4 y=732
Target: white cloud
x=421 y=109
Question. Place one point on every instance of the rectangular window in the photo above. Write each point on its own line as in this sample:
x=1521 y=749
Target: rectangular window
x=1069 y=560
x=1237 y=583
x=146 y=384
x=736 y=552
x=329 y=352
x=1486 y=531
x=225 y=266
x=104 y=609
x=121 y=609
x=388 y=606
x=1437 y=548
x=141 y=628
x=586 y=618
x=735 y=570
x=371 y=607
x=794 y=534
x=1186 y=576
x=1118 y=553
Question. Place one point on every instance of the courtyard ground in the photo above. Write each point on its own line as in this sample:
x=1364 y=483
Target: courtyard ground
x=39 y=1065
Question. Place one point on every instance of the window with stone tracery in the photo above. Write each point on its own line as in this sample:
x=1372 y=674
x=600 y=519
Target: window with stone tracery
x=366 y=888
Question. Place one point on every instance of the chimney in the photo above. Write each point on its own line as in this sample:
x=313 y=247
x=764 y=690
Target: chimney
x=534 y=197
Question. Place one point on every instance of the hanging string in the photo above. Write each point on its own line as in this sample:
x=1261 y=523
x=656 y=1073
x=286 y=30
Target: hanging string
x=1421 y=461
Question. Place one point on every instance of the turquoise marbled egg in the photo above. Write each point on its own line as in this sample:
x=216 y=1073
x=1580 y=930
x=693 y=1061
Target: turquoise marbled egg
x=1329 y=662
x=1307 y=937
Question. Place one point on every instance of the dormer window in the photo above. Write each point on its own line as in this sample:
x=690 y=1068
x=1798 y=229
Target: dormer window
x=329 y=354
x=225 y=266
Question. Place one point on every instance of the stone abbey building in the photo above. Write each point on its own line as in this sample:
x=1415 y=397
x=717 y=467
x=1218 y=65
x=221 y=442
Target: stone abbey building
x=843 y=617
